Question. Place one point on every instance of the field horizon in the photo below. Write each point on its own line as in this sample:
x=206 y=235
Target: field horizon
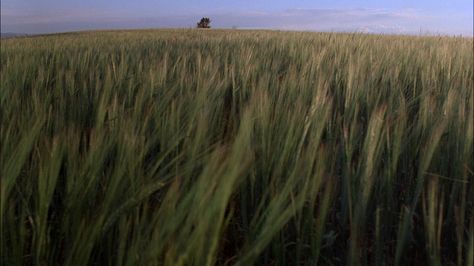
x=424 y=34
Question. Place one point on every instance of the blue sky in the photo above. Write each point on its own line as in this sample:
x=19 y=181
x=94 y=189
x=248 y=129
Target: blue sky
x=451 y=17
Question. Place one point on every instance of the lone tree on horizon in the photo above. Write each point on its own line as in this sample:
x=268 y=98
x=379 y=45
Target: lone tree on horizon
x=204 y=23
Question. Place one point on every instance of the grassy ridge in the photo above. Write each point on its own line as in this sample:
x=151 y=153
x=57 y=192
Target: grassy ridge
x=232 y=147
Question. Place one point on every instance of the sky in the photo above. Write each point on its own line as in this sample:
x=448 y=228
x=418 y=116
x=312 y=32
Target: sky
x=446 y=17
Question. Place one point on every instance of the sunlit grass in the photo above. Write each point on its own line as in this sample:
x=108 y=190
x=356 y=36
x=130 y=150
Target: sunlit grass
x=204 y=147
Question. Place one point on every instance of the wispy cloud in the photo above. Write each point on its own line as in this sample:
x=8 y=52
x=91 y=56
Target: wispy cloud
x=368 y=20
x=357 y=19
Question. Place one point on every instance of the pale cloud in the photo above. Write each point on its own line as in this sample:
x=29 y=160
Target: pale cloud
x=24 y=17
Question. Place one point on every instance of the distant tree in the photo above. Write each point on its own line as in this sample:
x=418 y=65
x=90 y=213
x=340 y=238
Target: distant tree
x=204 y=23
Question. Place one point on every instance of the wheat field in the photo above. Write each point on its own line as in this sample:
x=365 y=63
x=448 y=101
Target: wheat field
x=220 y=147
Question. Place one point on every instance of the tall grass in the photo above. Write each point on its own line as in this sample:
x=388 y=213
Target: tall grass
x=188 y=147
